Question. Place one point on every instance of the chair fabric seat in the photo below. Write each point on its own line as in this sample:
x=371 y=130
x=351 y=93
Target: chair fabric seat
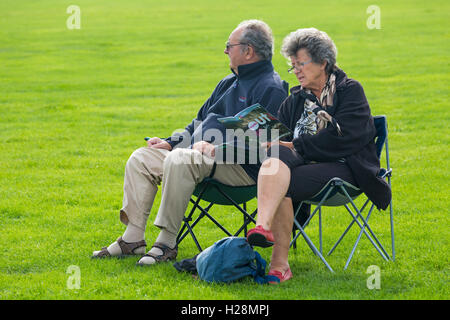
x=239 y=194
x=335 y=198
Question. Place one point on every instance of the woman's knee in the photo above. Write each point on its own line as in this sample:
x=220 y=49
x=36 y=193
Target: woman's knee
x=273 y=166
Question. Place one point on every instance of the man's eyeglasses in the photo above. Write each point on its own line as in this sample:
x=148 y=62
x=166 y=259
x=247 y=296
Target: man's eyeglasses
x=229 y=45
x=298 y=65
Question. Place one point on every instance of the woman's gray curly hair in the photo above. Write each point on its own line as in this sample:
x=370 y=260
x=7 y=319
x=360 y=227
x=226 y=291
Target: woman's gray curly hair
x=259 y=35
x=317 y=43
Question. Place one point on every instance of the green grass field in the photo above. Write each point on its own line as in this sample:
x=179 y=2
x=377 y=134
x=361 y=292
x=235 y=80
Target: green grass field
x=74 y=104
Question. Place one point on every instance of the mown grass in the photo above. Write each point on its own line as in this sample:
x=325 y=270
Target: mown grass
x=76 y=103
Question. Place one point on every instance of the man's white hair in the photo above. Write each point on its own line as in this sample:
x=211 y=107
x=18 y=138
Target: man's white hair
x=259 y=35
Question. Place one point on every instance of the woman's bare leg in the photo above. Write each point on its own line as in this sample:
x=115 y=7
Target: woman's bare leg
x=273 y=182
x=275 y=210
x=281 y=229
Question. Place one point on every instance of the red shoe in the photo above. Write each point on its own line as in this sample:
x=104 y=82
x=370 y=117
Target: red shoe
x=260 y=237
x=276 y=277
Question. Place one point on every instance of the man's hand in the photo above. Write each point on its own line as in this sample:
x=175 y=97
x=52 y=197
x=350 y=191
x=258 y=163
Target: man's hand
x=158 y=143
x=205 y=147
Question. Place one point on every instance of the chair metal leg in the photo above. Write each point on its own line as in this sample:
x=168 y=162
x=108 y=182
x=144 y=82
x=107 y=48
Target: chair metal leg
x=190 y=227
x=246 y=222
x=294 y=241
x=320 y=230
x=357 y=240
x=375 y=243
x=237 y=205
x=392 y=232
x=389 y=174
x=250 y=217
x=219 y=225
x=373 y=234
x=205 y=212
x=294 y=236
x=390 y=209
x=186 y=220
x=311 y=245
x=182 y=234
x=189 y=218
x=365 y=223
x=346 y=230
x=318 y=207
x=194 y=237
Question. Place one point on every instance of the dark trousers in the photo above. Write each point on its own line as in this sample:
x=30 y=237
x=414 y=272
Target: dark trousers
x=307 y=179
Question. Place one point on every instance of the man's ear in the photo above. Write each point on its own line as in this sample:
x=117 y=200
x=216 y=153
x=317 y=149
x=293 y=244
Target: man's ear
x=250 y=52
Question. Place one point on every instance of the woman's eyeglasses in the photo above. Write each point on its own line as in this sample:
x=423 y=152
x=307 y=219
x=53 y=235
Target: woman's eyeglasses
x=298 y=65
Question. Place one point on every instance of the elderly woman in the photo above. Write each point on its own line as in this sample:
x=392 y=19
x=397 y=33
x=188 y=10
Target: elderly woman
x=333 y=136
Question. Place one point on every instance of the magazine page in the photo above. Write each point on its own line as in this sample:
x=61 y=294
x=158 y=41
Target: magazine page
x=246 y=132
x=256 y=118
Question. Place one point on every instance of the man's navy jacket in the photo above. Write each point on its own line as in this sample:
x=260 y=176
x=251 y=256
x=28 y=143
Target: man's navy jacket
x=255 y=83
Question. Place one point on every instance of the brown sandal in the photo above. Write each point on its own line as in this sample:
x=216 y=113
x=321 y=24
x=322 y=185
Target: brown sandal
x=168 y=253
x=127 y=248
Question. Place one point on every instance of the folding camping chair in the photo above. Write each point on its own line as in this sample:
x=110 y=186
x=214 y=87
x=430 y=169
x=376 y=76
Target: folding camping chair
x=217 y=193
x=338 y=192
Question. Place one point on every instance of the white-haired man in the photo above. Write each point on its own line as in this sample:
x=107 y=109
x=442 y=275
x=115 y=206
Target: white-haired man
x=179 y=163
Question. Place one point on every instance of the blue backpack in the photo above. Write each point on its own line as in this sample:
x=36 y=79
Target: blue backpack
x=230 y=259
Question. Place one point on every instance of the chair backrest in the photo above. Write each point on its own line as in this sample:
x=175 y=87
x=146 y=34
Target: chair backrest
x=380 y=139
x=336 y=197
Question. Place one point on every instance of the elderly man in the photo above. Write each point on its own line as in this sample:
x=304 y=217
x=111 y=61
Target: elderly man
x=179 y=163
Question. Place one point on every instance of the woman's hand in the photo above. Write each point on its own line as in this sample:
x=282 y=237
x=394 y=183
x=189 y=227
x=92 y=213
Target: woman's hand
x=288 y=144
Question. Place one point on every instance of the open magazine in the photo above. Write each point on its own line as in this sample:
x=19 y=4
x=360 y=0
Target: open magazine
x=247 y=131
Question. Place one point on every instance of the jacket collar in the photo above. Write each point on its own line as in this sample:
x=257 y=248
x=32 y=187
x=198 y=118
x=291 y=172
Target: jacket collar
x=248 y=71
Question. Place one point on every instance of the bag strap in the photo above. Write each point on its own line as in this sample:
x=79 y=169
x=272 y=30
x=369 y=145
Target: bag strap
x=259 y=275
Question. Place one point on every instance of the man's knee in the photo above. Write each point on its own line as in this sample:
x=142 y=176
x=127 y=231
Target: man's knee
x=147 y=161
x=183 y=157
x=136 y=159
x=173 y=158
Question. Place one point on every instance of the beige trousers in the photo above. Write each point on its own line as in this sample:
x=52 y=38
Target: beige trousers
x=178 y=172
